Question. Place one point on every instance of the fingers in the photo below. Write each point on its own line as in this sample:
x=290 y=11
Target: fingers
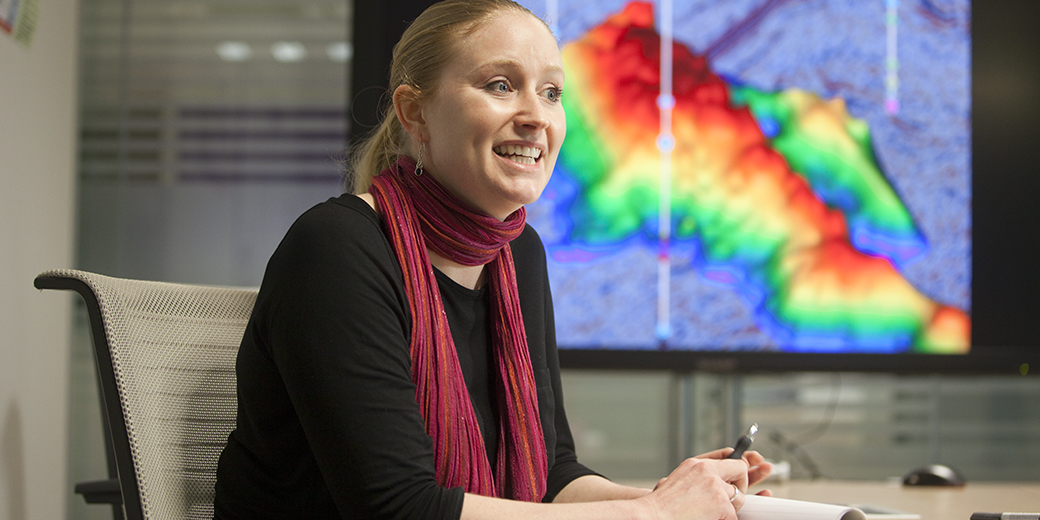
x=759 y=472
x=734 y=471
x=758 y=468
x=718 y=454
x=732 y=480
x=754 y=458
x=707 y=488
x=737 y=498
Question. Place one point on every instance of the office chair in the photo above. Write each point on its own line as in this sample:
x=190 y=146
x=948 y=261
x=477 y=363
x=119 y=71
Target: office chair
x=166 y=363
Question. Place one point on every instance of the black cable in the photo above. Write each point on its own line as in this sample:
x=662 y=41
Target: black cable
x=798 y=453
x=796 y=448
x=821 y=428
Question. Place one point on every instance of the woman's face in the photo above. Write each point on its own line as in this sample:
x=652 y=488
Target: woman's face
x=495 y=123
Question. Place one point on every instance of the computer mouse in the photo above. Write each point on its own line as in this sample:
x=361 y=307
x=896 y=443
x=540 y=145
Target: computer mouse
x=933 y=475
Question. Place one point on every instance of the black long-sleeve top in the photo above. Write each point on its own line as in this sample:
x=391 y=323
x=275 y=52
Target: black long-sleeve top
x=328 y=425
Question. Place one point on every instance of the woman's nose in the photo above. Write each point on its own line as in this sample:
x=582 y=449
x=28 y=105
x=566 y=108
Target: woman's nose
x=532 y=112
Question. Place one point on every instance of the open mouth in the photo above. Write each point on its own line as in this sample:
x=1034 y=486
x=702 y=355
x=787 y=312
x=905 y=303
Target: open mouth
x=520 y=154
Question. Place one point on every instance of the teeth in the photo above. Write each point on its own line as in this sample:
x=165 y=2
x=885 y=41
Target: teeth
x=520 y=154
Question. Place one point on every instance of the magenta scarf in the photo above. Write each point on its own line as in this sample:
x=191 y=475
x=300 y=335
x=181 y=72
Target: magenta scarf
x=419 y=213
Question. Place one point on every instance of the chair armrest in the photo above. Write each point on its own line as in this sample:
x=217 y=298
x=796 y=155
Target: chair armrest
x=100 y=491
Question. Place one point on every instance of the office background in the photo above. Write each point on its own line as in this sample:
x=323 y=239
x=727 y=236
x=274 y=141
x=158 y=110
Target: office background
x=38 y=93
x=178 y=140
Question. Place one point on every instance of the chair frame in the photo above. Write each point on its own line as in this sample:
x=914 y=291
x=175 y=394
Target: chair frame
x=117 y=446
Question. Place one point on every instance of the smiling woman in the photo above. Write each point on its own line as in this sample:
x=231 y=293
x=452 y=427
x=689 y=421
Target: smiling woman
x=401 y=358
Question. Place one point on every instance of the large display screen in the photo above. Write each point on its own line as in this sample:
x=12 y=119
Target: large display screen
x=756 y=175
x=784 y=185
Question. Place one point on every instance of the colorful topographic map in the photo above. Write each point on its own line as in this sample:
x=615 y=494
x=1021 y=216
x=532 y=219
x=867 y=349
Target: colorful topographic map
x=788 y=224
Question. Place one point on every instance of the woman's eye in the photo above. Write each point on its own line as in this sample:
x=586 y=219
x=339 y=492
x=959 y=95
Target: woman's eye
x=498 y=86
x=553 y=94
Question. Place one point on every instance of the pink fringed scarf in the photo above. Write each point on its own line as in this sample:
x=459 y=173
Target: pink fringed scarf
x=419 y=213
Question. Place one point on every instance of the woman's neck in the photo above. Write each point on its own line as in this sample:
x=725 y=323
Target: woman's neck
x=469 y=276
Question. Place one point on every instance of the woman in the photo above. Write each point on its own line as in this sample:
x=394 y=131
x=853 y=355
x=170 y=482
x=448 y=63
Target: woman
x=401 y=360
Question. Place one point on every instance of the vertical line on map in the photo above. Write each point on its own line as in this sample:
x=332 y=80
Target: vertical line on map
x=665 y=145
x=892 y=57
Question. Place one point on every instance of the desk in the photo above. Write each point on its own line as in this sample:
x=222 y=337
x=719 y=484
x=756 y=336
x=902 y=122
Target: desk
x=932 y=503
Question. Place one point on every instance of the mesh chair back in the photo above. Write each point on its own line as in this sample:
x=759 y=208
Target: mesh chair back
x=171 y=349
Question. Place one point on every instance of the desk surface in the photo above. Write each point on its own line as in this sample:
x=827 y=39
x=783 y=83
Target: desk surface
x=932 y=503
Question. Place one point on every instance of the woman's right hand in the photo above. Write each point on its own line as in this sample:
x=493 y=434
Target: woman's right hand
x=700 y=489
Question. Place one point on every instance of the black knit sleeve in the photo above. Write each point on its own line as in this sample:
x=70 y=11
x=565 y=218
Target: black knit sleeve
x=332 y=322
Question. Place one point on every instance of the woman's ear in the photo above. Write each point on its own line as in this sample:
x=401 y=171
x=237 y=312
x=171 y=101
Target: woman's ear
x=409 y=112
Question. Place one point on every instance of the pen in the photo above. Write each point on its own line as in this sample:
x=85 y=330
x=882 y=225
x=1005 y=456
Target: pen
x=1005 y=516
x=744 y=442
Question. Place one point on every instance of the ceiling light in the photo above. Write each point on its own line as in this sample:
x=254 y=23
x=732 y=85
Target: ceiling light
x=288 y=51
x=234 y=51
x=340 y=51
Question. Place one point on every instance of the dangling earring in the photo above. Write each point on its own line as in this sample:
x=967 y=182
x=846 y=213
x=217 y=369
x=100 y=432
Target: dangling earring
x=418 y=164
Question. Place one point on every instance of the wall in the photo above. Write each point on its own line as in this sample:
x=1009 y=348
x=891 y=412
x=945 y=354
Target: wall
x=37 y=194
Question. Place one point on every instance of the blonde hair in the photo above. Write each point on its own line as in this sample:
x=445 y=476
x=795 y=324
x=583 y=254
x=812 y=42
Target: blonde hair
x=427 y=45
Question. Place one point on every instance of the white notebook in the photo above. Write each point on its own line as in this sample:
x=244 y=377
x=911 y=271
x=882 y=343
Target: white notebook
x=769 y=508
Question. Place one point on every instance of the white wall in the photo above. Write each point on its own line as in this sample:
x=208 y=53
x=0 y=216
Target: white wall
x=38 y=91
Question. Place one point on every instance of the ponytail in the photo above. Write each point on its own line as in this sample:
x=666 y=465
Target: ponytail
x=376 y=152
